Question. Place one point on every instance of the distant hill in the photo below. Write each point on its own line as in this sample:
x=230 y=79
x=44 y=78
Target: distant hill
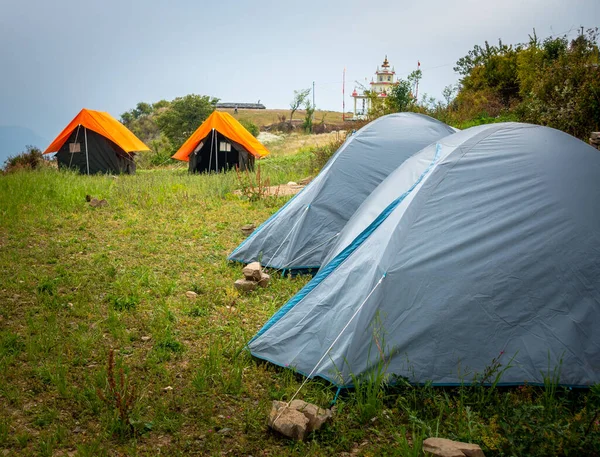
x=262 y=117
x=13 y=140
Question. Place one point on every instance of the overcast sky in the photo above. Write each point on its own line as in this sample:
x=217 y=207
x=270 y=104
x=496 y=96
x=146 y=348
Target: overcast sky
x=59 y=56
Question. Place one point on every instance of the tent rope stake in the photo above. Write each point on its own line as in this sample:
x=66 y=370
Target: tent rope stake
x=331 y=345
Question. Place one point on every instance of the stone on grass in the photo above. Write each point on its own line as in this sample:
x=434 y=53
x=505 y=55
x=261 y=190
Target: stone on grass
x=252 y=271
x=191 y=295
x=292 y=183
x=316 y=416
x=288 y=421
x=146 y=338
x=442 y=447
x=248 y=229
x=245 y=285
x=95 y=203
x=264 y=280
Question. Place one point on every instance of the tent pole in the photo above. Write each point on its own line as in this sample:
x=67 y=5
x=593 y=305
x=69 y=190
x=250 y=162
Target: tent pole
x=210 y=156
x=216 y=154
x=76 y=138
x=87 y=159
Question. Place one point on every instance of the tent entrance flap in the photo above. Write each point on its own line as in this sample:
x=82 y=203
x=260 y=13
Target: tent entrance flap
x=217 y=153
x=90 y=153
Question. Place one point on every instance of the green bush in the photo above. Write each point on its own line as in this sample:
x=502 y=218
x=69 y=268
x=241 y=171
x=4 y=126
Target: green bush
x=31 y=159
x=250 y=126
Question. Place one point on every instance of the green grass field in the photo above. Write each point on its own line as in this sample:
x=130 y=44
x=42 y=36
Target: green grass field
x=79 y=282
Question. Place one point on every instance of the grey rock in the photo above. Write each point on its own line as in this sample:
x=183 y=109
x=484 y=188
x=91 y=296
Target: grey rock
x=264 y=280
x=252 y=271
x=442 y=447
x=316 y=416
x=288 y=421
x=245 y=285
x=248 y=229
x=95 y=203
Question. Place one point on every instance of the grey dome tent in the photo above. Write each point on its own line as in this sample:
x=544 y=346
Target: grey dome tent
x=488 y=248
x=298 y=235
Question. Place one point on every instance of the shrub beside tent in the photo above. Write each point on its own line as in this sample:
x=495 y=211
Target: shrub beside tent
x=95 y=142
x=301 y=232
x=483 y=246
x=219 y=144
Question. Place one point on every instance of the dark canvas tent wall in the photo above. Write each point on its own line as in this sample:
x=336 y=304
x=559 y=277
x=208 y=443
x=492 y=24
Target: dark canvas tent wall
x=219 y=144
x=298 y=235
x=95 y=142
x=489 y=248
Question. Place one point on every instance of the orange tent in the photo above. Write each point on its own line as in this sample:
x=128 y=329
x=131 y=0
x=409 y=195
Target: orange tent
x=211 y=141
x=103 y=124
x=95 y=142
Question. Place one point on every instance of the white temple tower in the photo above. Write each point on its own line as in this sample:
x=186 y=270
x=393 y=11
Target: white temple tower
x=381 y=85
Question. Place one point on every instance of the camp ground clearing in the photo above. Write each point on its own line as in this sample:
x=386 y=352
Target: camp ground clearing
x=82 y=283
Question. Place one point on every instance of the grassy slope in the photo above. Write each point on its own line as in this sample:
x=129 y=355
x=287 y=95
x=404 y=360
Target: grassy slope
x=289 y=144
x=78 y=281
x=263 y=117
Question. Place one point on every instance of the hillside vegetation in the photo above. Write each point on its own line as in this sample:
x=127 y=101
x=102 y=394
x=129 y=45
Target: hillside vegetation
x=552 y=81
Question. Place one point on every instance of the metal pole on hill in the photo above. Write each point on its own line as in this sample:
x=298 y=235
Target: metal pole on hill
x=417 y=91
x=313 y=113
x=344 y=96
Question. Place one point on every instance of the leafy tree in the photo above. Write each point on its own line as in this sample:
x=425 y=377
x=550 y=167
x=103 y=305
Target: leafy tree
x=414 y=78
x=551 y=82
x=565 y=92
x=183 y=116
x=142 y=109
x=299 y=98
x=400 y=97
x=449 y=93
x=160 y=104
x=308 y=117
